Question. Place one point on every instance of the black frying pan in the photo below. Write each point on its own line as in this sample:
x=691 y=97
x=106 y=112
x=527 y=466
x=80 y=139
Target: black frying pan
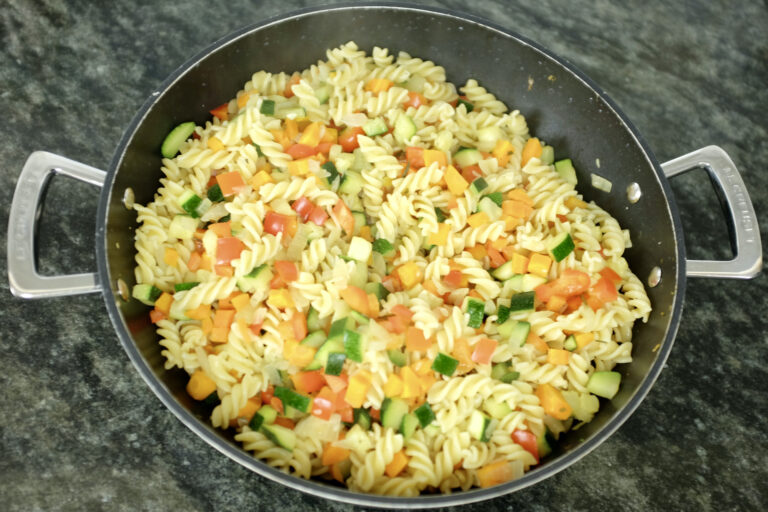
x=562 y=107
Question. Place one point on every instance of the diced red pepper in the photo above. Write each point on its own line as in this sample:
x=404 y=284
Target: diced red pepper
x=228 y=249
x=308 y=382
x=348 y=138
x=318 y=215
x=527 y=440
x=324 y=404
x=287 y=270
x=471 y=173
x=609 y=274
x=275 y=223
x=571 y=282
x=298 y=151
x=415 y=100
x=303 y=207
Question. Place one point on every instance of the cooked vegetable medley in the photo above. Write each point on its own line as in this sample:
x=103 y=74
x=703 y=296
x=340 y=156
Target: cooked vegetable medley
x=378 y=279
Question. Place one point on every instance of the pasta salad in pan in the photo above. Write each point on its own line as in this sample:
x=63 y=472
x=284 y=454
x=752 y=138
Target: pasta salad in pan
x=377 y=278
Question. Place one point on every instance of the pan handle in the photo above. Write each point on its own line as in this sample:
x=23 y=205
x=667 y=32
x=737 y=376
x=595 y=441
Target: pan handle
x=22 y=224
x=745 y=234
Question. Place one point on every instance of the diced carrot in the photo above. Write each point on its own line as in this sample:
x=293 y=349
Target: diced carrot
x=171 y=256
x=200 y=386
x=277 y=404
x=537 y=342
x=393 y=386
x=415 y=340
x=333 y=454
x=553 y=402
x=532 y=149
x=478 y=219
x=455 y=181
x=163 y=303
x=494 y=473
x=397 y=464
x=484 y=350
x=558 y=356
x=359 y=383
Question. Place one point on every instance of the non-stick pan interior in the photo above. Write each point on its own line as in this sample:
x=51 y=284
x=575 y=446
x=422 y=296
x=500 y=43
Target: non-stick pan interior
x=561 y=108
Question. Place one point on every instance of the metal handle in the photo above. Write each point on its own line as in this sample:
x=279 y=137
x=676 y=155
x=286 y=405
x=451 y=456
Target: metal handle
x=745 y=235
x=22 y=223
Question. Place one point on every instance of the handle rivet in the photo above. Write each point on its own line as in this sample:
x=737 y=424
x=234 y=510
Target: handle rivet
x=634 y=193
x=654 y=278
x=129 y=198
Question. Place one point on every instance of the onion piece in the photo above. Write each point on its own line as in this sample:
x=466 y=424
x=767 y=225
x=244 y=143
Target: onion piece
x=601 y=183
x=354 y=119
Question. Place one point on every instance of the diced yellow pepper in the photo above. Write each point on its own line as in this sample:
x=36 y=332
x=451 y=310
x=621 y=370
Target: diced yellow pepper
x=377 y=85
x=297 y=354
x=200 y=312
x=434 y=155
x=259 y=179
x=584 y=338
x=539 y=264
x=280 y=298
x=516 y=209
x=441 y=237
x=502 y=150
x=215 y=144
x=411 y=383
x=163 y=303
x=365 y=233
x=359 y=383
x=299 y=167
x=558 y=356
x=511 y=223
x=330 y=135
x=200 y=385
x=518 y=194
x=281 y=137
x=574 y=202
x=427 y=381
x=455 y=181
x=171 y=256
x=532 y=149
x=519 y=263
x=241 y=301
x=410 y=274
x=291 y=130
x=478 y=219
x=394 y=386
x=311 y=134
x=242 y=100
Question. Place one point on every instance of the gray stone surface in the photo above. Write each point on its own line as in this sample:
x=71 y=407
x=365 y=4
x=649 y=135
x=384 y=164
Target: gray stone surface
x=79 y=430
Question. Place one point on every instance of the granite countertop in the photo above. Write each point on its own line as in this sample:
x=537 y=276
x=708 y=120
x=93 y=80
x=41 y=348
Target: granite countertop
x=80 y=430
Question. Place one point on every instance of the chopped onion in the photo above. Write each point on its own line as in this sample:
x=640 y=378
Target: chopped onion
x=298 y=244
x=354 y=119
x=601 y=183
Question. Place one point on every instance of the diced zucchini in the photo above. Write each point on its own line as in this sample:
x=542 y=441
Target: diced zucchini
x=544 y=443
x=189 y=202
x=354 y=346
x=180 y=287
x=445 y=364
x=214 y=193
x=359 y=162
x=281 y=436
x=359 y=318
x=314 y=323
x=264 y=416
x=290 y=398
x=604 y=384
x=288 y=110
x=375 y=126
x=415 y=83
x=469 y=106
x=212 y=399
x=338 y=328
x=384 y=247
x=496 y=408
x=323 y=92
x=529 y=282
x=480 y=426
x=515 y=331
x=313 y=231
x=408 y=425
x=566 y=170
x=267 y=107
x=335 y=363
x=496 y=197
x=547 y=155
x=397 y=357
x=503 y=272
x=570 y=343
x=257 y=279
x=467 y=156
x=146 y=293
x=360 y=221
x=502 y=314
x=522 y=302
x=561 y=246
x=393 y=410
x=362 y=417
x=405 y=128
x=490 y=208
x=359 y=276
x=475 y=313
x=352 y=183
x=182 y=227
x=377 y=289
x=359 y=249
x=504 y=372
x=321 y=356
x=425 y=414
x=440 y=214
x=314 y=339
x=478 y=186
x=333 y=173
x=176 y=138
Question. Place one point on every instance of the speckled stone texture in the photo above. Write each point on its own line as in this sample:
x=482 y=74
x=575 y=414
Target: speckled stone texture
x=79 y=429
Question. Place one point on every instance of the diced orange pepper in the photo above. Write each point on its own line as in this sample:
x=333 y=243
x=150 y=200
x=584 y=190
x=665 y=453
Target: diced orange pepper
x=502 y=150
x=171 y=256
x=206 y=325
x=311 y=134
x=241 y=301
x=519 y=263
x=281 y=138
x=356 y=298
x=537 y=342
x=291 y=129
x=557 y=304
x=259 y=179
x=516 y=209
x=558 y=356
x=518 y=194
x=298 y=354
x=415 y=340
x=478 y=219
x=422 y=366
x=200 y=312
x=365 y=233
x=511 y=223
x=242 y=100
x=219 y=334
x=410 y=274
x=394 y=385
x=194 y=261
x=330 y=135
x=584 y=338
x=573 y=202
x=427 y=381
x=155 y=316
x=532 y=149
x=249 y=409
x=539 y=264
x=200 y=385
x=231 y=183
x=377 y=85
x=553 y=402
x=333 y=454
x=223 y=317
x=299 y=167
x=484 y=350
x=455 y=181
x=441 y=236
x=222 y=229
x=411 y=383
x=373 y=305
x=494 y=473
x=478 y=251
x=463 y=352
x=397 y=464
x=163 y=303
x=224 y=270
x=309 y=382
x=359 y=383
